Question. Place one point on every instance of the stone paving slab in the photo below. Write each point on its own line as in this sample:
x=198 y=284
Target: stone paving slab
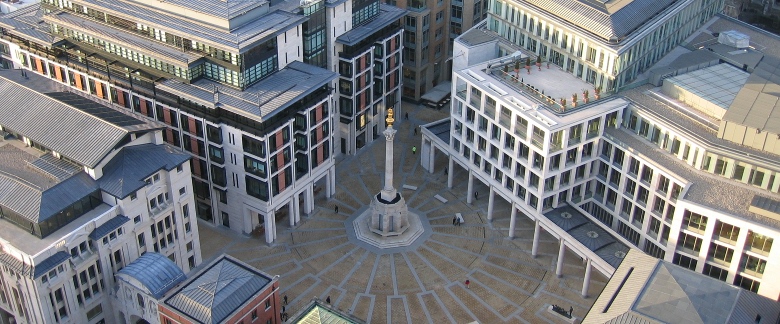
x=424 y=284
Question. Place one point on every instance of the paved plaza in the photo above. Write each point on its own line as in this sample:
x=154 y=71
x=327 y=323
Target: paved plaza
x=422 y=283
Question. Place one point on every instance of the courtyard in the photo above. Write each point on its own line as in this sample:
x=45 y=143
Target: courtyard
x=423 y=283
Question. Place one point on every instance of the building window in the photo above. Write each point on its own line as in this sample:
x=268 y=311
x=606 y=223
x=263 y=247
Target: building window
x=746 y=283
x=694 y=222
x=685 y=261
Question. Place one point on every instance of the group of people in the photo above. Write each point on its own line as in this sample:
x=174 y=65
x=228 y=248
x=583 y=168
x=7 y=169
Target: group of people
x=457 y=220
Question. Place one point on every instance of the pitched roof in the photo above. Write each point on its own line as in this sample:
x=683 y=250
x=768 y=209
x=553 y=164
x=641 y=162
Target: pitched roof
x=108 y=227
x=132 y=165
x=76 y=127
x=32 y=194
x=156 y=272
x=50 y=263
x=648 y=290
x=263 y=99
x=757 y=104
x=218 y=291
x=610 y=20
x=319 y=313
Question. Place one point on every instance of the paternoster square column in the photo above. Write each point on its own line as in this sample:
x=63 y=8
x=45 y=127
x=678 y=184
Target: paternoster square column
x=388 y=192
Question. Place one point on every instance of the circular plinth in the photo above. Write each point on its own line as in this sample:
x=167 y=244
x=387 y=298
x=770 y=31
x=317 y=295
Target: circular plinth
x=358 y=231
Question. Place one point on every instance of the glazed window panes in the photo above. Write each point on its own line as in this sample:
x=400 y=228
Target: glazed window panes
x=726 y=232
x=758 y=243
x=694 y=222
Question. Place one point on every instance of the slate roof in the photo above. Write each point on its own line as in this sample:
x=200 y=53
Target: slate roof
x=108 y=227
x=15 y=265
x=263 y=99
x=132 y=165
x=217 y=291
x=607 y=19
x=50 y=263
x=387 y=15
x=648 y=290
x=32 y=194
x=61 y=127
x=156 y=272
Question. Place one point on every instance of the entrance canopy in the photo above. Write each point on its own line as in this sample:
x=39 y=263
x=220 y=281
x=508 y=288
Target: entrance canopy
x=438 y=96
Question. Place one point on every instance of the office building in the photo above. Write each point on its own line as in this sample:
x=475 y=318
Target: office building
x=224 y=291
x=684 y=169
x=86 y=190
x=246 y=88
x=608 y=44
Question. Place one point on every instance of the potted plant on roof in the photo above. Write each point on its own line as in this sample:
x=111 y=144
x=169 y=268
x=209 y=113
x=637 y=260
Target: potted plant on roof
x=517 y=70
x=539 y=62
x=574 y=100
x=585 y=95
x=528 y=64
x=597 y=92
x=563 y=104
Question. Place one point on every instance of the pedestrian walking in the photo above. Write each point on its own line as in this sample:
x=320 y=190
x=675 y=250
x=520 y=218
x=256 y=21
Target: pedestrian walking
x=283 y=308
x=414 y=149
x=407 y=115
x=285 y=296
x=415 y=131
x=476 y=195
x=455 y=220
x=467 y=283
x=571 y=309
x=336 y=209
x=445 y=171
x=327 y=300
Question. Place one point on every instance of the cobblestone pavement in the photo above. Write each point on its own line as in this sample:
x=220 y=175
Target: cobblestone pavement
x=424 y=284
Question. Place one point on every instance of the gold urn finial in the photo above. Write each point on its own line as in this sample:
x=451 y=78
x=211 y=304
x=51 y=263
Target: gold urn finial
x=390 y=118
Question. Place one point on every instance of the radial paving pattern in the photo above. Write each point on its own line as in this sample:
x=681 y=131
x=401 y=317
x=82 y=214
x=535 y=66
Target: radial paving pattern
x=422 y=283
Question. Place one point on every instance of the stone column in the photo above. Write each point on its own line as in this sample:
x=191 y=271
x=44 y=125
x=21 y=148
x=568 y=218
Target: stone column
x=586 y=281
x=431 y=156
x=491 y=197
x=291 y=211
x=328 y=192
x=268 y=223
x=512 y=219
x=470 y=189
x=535 y=246
x=388 y=192
x=450 y=172
x=332 y=175
x=559 y=266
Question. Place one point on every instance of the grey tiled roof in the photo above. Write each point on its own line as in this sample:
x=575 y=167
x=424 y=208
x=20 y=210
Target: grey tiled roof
x=219 y=290
x=108 y=227
x=50 y=263
x=607 y=19
x=766 y=204
x=63 y=128
x=592 y=236
x=387 y=15
x=131 y=166
x=156 y=272
x=239 y=39
x=613 y=253
x=261 y=100
x=32 y=194
x=566 y=217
